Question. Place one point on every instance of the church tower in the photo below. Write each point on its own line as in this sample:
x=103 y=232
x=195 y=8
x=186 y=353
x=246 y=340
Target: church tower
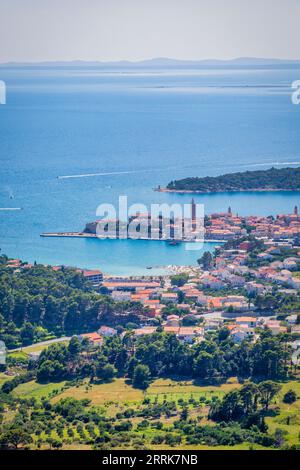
x=194 y=214
x=193 y=210
x=296 y=210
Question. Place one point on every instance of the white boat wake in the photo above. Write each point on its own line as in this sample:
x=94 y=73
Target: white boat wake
x=11 y=208
x=89 y=175
x=112 y=173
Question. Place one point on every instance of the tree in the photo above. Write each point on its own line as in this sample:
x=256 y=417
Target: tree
x=172 y=439
x=279 y=436
x=70 y=408
x=184 y=414
x=229 y=409
x=50 y=370
x=290 y=397
x=158 y=439
x=15 y=437
x=179 y=279
x=189 y=320
x=121 y=361
x=74 y=346
x=268 y=390
x=206 y=260
x=223 y=334
x=56 y=444
x=249 y=396
x=141 y=376
x=203 y=365
x=108 y=372
x=27 y=333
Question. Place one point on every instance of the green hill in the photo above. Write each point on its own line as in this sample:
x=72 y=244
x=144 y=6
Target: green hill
x=285 y=179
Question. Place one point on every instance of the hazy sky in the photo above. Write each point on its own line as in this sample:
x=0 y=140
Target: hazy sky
x=37 y=30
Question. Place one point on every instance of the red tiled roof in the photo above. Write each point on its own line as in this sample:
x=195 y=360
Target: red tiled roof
x=95 y=337
x=88 y=273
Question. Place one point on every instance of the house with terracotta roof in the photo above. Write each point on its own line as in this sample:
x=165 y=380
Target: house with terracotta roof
x=215 y=303
x=173 y=320
x=242 y=332
x=27 y=266
x=147 y=330
x=296 y=329
x=139 y=297
x=189 y=334
x=211 y=282
x=193 y=295
x=152 y=303
x=171 y=329
x=95 y=276
x=295 y=282
x=169 y=297
x=94 y=338
x=248 y=321
x=236 y=281
x=275 y=327
x=13 y=263
x=237 y=306
x=185 y=307
x=291 y=263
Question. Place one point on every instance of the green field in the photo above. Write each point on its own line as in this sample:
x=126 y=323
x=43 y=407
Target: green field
x=36 y=390
x=119 y=392
x=288 y=418
x=4 y=378
x=18 y=355
x=176 y=390
x=118 y=395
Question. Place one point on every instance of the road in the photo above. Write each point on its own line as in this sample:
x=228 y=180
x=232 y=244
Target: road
x=43 y=343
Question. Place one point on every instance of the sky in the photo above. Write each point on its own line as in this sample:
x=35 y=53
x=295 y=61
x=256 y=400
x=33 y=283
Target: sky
x=111 y=30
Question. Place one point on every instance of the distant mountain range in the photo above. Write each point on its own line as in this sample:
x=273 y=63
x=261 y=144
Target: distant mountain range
x=158 y=62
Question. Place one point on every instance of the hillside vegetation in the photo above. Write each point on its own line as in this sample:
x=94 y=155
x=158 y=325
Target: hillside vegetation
x=263 y=180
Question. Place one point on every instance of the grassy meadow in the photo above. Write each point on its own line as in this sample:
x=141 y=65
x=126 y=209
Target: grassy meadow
x=118 y=395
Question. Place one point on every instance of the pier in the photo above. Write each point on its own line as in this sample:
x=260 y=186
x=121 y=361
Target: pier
x=93 y=235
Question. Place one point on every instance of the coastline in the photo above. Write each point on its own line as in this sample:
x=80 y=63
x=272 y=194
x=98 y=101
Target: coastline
x=92 y=235
x=257 y=190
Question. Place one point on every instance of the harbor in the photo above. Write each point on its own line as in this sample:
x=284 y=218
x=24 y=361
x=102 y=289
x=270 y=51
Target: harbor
x=94 y=235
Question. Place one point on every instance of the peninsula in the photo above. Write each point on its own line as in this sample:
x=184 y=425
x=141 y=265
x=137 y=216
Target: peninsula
x=284 y=179
x=218 y=228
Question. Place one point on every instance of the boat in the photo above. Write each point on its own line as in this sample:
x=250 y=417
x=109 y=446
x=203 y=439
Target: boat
x=174 y=243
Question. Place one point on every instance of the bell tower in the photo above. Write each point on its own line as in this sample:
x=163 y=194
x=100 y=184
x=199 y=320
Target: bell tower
x=194 y=214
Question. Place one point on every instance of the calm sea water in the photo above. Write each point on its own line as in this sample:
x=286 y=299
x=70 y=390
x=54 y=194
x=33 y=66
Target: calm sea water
x=157 y=124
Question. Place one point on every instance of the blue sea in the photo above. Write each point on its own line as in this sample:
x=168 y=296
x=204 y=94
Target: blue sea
x=138 y=127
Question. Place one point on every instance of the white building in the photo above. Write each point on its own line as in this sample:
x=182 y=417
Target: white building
x=107 y=331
